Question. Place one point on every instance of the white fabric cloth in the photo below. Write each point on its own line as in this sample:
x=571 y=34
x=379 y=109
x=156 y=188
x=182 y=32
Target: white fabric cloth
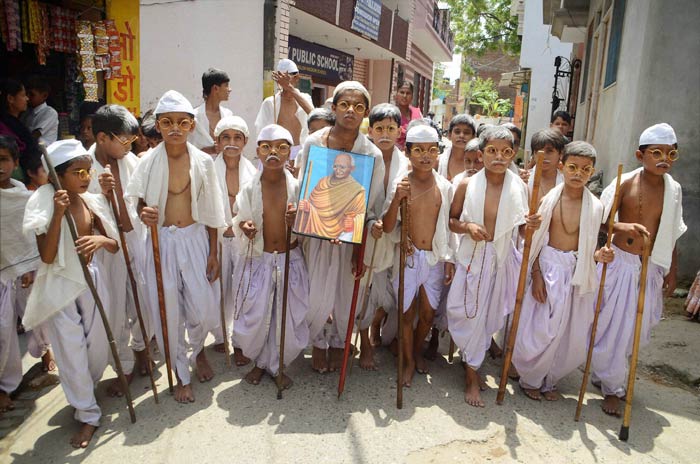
x=553 y=336
x=420 y=273
x=173 y=101
x=63 y=151
x=422 y=134
x=494 y=285
x=58 y=284
x=658 y=134
x=81 y=350
x=191 y=301
x=10 y=358
x=229 y=262
x=246 y=173
x=269 y=113
x=201 y=137
x=512 y=209
x=37 y=339
x=444 y=162
x=591 y=217
x=274 y=132
x=44 y=119
x=18 y=252
x=615 y=332
x=149 y=181
x=531 y=179
x=287 y=65
x=231 y=122
x=352 y=85
x=671 y=225
x=258 y=318
x=330 y=267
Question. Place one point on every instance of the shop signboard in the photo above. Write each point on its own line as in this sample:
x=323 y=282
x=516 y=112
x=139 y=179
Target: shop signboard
x=125 y=90
x=329 y=65
x=368 y=14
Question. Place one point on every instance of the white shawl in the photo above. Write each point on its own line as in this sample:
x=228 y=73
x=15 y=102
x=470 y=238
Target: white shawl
x=246 y=171
x=201 y=137
x=362 y=145
x=58 y=284
x=249 y=205
x=585 y=276
x=444 y=162
x=18 y=253
x=531 y=179
x=671 y=225
x=512 y=209
x=149 y=182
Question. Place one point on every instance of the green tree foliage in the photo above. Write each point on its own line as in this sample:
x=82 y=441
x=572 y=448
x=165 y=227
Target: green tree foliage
x=483 y=25
x=483 y=93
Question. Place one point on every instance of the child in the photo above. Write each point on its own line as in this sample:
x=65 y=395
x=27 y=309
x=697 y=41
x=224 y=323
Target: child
x=264 y=212
x=488 y=209
x=461 y=130
x=429 y=197
x=175 y=188
x=40 y=119
x=215 y=90
x=34 y=171
x=115 y=129
x=650 y=206
x=233 y=171
x=60 y=297
x=384 y=130
x=320 y=118
x=332 y=265
x=556 y=312
x=561 y=121
x=552 y=143
x=473 y=162
x=19 y=259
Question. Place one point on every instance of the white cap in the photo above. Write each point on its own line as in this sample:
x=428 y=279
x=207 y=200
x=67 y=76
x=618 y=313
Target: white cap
x=63 y=151
x=287 y=65
x=473 y=145
x=173 y=101
x=422 y=134
x=658 y=134
x=231 y=122
x=275 y=132
x=352 y=85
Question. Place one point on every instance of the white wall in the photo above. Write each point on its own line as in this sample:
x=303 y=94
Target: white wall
x=181 y=40
x=538 y=51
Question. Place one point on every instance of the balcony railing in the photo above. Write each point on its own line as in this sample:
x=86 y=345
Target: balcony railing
x=441 y=24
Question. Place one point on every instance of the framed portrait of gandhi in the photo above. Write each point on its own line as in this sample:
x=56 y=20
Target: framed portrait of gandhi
x=334 y=195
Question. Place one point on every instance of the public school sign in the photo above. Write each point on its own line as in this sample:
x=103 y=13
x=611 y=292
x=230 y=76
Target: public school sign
x=327 y=64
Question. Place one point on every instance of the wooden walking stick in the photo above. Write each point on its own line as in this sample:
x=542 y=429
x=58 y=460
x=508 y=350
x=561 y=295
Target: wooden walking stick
x=161 y=303
x=508 y=356
x=95 y=295
x=365 y=298
x=351 y=317
x=134 y=289
x=625 y=428
x=285 y=289
x=599 y=301
x=403 y=249
x=227 y=350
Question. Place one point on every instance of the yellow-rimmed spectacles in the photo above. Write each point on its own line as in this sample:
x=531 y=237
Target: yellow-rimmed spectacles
x=125 y=141
x=84 y=174
x=658 y=155
x=417 y=152
x=345 y=105
x=507 y=153
x=266 y=149
x=572 y=168
x=391 y=130
x=183 y=124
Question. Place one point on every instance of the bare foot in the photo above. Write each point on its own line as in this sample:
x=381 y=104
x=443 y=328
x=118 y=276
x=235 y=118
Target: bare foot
x=367 y=359
x=335 y=359
x=286 y=382
x=408 y=370
x=319 y=360
x=494 y=350
x=6 y=403
x=184 y=393
x=83 y=437
x=472 y=395
x=421 y=364
x=239 y=358
x=48 y=363
x=204 y=371
x=611 y=405
x=512 y=373
x=220 y=348
x=551 y=395
x=376 y=327
x=115 y=387
x=394 y=347
x=253 y=377
x=432 y=351
x=482 y=382
x=141 y=363
x=532 y=393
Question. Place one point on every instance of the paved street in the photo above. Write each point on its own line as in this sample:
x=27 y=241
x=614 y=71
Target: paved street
x=236 y=422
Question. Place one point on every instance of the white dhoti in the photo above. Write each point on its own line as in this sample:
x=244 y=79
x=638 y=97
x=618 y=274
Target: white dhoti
x=118 y=288
x=381 y=295
x=472 y=327
x=615 y=331
x=258 y=309
x=553 y=336
x=191 y=301
x=331 y=283
x=137 y=252
x=81 y=349
x=229 y=259
x=37 y=339
x=419 y=274
x=10 y=358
